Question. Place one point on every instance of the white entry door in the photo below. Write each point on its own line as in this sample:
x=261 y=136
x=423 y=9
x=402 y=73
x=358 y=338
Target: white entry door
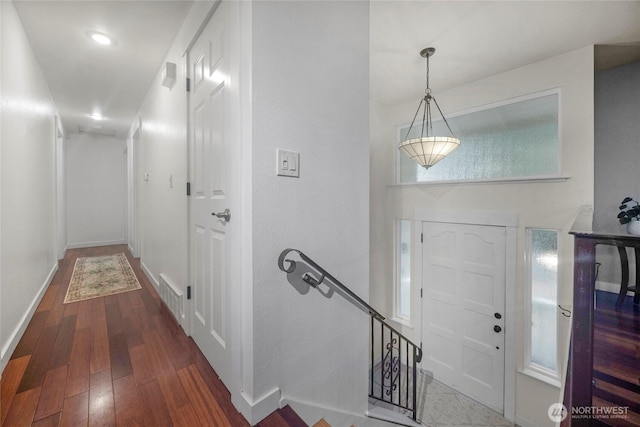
x=214 y=175
x=463 y=269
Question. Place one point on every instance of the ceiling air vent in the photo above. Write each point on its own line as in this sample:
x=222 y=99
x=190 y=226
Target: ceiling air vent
x=92 y=130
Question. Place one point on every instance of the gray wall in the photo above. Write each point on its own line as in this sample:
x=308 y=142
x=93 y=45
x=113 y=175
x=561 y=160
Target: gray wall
x=617 y=155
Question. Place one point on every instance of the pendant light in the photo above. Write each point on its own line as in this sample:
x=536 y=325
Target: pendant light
x=427 y=150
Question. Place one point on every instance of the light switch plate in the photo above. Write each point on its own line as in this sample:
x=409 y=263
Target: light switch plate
x=288 y=163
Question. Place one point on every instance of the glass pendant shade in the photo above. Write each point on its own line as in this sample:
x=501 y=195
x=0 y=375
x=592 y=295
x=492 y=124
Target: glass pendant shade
x=429 y=150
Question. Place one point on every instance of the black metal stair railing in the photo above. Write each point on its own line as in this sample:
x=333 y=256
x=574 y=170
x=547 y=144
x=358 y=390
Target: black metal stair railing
x=394 y=358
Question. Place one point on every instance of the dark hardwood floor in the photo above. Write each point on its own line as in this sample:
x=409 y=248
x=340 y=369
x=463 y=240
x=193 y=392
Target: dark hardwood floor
x=616 y=362
x=117 y=360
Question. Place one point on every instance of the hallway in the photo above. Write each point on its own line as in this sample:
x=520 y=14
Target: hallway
x=116 y=360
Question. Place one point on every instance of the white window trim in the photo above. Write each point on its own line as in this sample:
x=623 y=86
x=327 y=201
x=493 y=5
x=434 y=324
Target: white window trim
x=512 y=180
x=529 y=368
x=559 y=176
x=397 y=282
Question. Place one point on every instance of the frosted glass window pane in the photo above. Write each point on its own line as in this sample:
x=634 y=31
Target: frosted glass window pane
x=515 y=140
x=544 y=301
x=404 y=269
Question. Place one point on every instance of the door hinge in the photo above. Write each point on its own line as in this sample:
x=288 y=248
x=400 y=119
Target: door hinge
x=188 y=188
x=188 y=292
x=421 y=237
x=188 y=84
x=420 y=292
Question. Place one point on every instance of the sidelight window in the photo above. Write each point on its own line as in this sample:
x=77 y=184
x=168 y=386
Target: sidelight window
x=403 y=270
x=541 y=302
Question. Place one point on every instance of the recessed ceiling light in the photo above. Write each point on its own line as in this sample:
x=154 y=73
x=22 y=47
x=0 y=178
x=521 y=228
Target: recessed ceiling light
x=99 y=38
x=96 y=116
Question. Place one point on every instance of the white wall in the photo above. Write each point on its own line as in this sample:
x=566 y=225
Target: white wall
x=27 y=195
x=162 y=206
x=162 y=196
x=96 y=190
x=310 y=94
x=537 y=204
x=308 y=347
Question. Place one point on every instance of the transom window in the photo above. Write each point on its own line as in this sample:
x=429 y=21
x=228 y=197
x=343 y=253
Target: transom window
x=514 y=139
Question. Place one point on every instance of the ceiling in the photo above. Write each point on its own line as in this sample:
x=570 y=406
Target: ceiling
x=473 y=40
x=477 y=39
x=85 y=77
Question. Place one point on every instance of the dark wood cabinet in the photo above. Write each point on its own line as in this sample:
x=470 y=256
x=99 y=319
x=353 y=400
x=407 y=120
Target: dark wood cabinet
x=579 y=380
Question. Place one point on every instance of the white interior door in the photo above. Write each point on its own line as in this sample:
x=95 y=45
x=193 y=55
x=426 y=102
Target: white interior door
x=214 y=162
x=463 y=269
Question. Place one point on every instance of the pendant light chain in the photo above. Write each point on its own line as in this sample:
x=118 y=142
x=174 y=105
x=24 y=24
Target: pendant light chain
x=427 y=99
x=427 y=91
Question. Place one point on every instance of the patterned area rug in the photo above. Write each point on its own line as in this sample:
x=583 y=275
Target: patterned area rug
x=100 y=276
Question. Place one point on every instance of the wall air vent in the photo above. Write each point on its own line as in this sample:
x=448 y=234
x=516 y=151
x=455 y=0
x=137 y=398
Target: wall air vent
x=171 y=296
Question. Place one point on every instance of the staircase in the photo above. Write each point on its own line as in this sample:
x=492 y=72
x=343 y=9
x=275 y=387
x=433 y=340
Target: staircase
x=287 y=417
x=393 y=360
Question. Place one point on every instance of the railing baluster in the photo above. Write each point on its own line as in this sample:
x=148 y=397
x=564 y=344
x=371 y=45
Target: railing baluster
x=392 y=378
x=406 y=343
x=399 y=371
x=415 y=368
x=390 y=365
x=373 y=359
x=382 y=362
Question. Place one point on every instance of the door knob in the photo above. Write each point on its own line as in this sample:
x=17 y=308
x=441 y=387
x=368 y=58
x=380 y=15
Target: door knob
x=226 y=215
x=497 y=328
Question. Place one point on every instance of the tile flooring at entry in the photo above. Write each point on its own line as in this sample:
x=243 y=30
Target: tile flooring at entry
x=441 y=406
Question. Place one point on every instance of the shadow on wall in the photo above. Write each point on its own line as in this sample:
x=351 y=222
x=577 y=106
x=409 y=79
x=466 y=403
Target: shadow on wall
x=306 y=274
x=303 y=278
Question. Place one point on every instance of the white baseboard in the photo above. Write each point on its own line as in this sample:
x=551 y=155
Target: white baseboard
x=9 y=347
x=149 y=275
x=521 y=422
x=64 y=252
x=131 y=251
x=255 y=411
x=94 y=244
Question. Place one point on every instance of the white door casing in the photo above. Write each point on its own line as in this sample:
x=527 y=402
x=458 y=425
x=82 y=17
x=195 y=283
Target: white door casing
x=60 y=191
x=464 y=276
x=214 y=171
x=133 y=145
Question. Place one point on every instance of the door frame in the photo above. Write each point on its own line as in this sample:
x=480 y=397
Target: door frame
x=133 y=153
x=60 y=191
x=509 y=221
